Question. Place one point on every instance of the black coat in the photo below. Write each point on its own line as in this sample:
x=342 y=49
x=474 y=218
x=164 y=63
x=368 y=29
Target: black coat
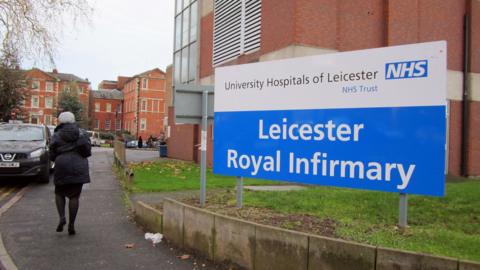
x=70 y=149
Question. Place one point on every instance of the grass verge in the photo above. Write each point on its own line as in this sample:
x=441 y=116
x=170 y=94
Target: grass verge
x=174 y=175
x=447 y=226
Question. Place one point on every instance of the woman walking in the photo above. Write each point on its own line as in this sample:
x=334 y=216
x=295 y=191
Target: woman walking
x=69 y=149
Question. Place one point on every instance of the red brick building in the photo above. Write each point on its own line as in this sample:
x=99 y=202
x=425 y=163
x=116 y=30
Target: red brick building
x=108 y=85
x=262 y=30
x=106 y=110
x=144 y=107
x=43 y=91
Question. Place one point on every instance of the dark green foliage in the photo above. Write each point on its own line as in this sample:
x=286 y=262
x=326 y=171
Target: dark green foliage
x=11 y=88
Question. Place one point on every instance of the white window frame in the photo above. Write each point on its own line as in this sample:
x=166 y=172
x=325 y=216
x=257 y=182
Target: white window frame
x=97 y=106
x=32 y=104
x=109 y=107
x=118 y=124
x=143 y=123
x=108 y=124
x=144 y=105
x=97 y=124
x=47 y=105
x=37 y=84
x=47 y=88
x=144 y=83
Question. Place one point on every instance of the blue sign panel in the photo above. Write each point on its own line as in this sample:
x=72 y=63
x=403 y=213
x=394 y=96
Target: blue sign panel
x=372 y=148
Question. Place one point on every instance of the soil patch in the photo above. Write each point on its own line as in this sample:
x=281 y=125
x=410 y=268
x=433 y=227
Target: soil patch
x=222 y=202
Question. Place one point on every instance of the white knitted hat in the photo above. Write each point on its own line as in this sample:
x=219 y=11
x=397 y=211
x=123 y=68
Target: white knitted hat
x=66 y=117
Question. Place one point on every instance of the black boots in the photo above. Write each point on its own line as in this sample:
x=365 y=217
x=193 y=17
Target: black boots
x=71 y=229
x=61 y=224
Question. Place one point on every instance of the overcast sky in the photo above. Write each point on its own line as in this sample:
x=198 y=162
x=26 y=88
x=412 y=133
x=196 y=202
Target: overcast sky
x=126 y=37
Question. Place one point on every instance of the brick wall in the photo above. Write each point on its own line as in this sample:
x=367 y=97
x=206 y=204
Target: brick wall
x=182 y=140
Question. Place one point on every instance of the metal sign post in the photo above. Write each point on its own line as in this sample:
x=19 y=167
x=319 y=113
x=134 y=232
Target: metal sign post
x=239 y=192
x=402 y=219
x=203 y=149
x=194 y=105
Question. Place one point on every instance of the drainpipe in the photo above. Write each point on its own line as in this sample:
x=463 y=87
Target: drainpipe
x=138 y=107
x=466 y=97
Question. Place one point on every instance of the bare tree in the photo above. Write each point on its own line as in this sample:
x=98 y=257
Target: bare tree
x=31 y=28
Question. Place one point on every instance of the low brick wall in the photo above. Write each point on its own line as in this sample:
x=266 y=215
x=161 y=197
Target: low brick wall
x=255 y=246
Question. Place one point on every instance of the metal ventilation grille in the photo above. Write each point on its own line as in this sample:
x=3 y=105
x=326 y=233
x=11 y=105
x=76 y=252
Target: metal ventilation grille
x=236 y=28
x=253 y=10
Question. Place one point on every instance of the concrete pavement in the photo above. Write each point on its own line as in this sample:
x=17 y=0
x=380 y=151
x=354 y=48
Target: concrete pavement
x=103 y=230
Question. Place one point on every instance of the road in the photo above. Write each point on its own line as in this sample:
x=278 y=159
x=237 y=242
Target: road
x=8 y=189
x=137 y=155
x=103 y=230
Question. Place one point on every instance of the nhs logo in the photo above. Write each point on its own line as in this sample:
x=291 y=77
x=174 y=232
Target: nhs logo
x=406 y=70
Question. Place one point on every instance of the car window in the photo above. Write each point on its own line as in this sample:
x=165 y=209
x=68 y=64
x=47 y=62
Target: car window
x=21 y=133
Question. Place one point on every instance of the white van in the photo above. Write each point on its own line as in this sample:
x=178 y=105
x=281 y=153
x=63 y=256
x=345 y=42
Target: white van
x=95 y=138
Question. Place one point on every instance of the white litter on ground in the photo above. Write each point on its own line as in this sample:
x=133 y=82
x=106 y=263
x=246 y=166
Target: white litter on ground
x=154 y=237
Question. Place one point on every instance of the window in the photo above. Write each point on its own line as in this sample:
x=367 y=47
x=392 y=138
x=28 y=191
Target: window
x=193 y=22
x=237 y=29
x=35 y=85
x=155 y=105
x=97 y=106
x=34 y=102
x=179 y=6
x=144 y=83
x=178 y=32
x=34 y=119
x=177 y=65
x=192 y=62
x=48 y=119
x=49 y=102
x=109 y=107
x=107 y=124
x=118 y=124
x=119 y=108
x=80 y=90
x=143 y=124
x=49 y=86
x=184 y=77
x=97 y=124
x=185 y=28
x=185 y=49
x=66 y=88
x=144 y=105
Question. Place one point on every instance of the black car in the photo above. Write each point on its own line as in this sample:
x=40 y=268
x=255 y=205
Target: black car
x=24 y=151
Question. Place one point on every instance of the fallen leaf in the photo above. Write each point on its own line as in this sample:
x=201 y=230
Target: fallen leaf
x=184 y=257
x=130 y=245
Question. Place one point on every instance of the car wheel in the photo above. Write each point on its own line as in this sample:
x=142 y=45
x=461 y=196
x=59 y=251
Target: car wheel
x=45 y=176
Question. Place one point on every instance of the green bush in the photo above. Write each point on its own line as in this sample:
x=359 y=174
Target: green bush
x=107 y=136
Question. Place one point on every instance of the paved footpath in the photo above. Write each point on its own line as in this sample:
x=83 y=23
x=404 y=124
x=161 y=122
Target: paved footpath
x=103 y=229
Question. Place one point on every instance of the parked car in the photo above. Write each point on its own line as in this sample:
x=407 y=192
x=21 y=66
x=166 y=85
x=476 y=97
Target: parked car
x=24 y=151
x=132 y=144
x=95 y=138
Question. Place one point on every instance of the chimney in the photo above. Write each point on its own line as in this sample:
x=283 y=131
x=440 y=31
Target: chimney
x=55 y=71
